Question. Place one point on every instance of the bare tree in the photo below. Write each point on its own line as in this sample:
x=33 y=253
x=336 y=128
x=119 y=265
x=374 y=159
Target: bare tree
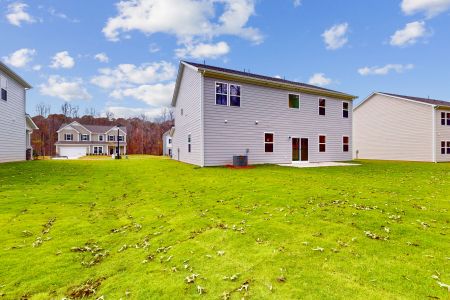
x=43 y=109
x=109 y=115
x=74 y=111
x=66 y=109
x=91 y=112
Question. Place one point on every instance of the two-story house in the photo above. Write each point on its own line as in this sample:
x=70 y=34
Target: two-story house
x=167 y=142
x=221 y=113
x=397 y=127
x=15 y=138
x=76 y=140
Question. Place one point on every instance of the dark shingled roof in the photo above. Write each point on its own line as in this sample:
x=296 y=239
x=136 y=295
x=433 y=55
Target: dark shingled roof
x=423 y=100
x=262 y=77
x=89 y=143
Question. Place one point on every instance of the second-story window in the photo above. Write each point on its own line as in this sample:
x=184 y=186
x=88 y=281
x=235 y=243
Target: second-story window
x=448 y=119
x=68 y=137
x=3 y=86
x=443 y=121
x=170 y=141
x=235 y=95
x=294 y=101
x=100 y=138
x=4 y=95
x=121 y=138
x=345 y=108
x=85 y=137
x=111 y=138
x=222 y=93
x=322 y=106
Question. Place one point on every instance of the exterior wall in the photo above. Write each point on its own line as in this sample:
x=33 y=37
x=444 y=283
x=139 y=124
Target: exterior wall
x=69 y=130
x=12 y=120
x=190 y=122
x=393 y=129
x=270 y=107
x=442 y=134
x=166 y=145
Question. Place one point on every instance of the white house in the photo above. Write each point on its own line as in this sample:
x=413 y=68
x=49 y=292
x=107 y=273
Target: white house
x=396 y=127
x=167 y=142
x=221 y=113
x=76 y=140
x=15 y=139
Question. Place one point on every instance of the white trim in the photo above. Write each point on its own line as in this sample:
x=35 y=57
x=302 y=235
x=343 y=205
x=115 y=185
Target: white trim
x=318 y=143
x=202 y=122
x=115 y=128
x=318 y=106
x=71 y=128
x=229 y=84
x=71 y=124
x=386 y=95
x=433 y=142
x=299 y=101
x=348 y=110
x=273 y=141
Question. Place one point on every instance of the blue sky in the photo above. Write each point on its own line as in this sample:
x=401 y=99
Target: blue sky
x=122 y=56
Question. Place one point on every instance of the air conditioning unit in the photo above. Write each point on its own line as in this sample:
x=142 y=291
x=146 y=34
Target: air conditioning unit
x=240 y=160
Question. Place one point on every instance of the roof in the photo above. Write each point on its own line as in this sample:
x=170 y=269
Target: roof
x=93 y=128
x=428 y=101
x=89 y=143
x=30 y=122
x=4 y=68
x=274 y=81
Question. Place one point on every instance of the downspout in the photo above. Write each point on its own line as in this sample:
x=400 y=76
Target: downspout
x=433 y=118
x=202 y=119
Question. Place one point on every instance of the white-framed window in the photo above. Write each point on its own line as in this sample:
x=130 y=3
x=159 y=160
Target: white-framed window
x=221 y=93
x=445 y=147
x=100 y=138
x=68 y=137
x=111 y=138
x=85 y=137
x=294 y=101
x=443 y=118
x=345 y=109
x=322 y=143
x=170 y=141
x=98 y=149
x=228 y=94
x=121 y=138
x=345 y=143
x=268 y=142
x=322 y=106
x=448 y=119
x=189 y=143
x=4 y=88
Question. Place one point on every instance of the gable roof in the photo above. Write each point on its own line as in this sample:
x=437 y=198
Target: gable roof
x=257 y=78
x=434 y=102
x=93 y=128
x=4 y=68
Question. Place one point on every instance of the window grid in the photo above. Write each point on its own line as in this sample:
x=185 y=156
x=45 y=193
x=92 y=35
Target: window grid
x=322 y=143
x=268 y=142
x=345 y=110
x=322 y=107
x=345 y=144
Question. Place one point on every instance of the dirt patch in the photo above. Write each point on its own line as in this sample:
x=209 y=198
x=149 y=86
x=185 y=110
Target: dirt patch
x=86 y=289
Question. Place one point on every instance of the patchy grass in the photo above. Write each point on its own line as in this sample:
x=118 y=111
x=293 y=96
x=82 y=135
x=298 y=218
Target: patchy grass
x=148 y=227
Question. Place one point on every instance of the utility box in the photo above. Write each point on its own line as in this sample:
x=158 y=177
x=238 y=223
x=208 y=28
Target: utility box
x=240 y=160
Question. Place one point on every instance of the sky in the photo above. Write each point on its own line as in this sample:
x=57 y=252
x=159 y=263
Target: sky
x=122 y=56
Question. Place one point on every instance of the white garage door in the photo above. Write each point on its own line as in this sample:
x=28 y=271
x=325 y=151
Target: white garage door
x=72 y=151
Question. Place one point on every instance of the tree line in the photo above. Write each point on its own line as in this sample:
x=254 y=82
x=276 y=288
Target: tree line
x=144 y=135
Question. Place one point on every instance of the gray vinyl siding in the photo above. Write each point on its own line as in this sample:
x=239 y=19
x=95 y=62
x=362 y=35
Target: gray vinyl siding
x=387 y=128
x=13 y=123
x=442 y=134
x=189 y=100
x=270 y=108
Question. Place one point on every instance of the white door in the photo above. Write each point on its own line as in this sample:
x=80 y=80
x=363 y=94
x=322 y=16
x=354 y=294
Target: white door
x=72 y=151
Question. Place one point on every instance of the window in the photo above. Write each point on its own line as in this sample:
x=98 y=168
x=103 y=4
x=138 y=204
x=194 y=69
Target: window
x=448 y=147
x=4 y=95
x=345 y=143
x=322 y=104
x=294 y=101
x=345 y=110
x=100 y=138
x=68 y=137
x=85 y=137
x=442 y=147
x=181 y=112
x=443 y=122
x=322 y=143
x=268 y=142
x=121 y=138
x=111 y=138
x=189 y=143
x=448 y=119
x=170 y=141
x=235 y=95
x=445 y=147
x=222 y=93
x=98 y=150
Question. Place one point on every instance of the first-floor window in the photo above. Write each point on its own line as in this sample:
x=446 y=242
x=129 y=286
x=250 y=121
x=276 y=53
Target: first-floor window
x=443 y=147
x=345 y=143
x=189 y=143
x=268 y=142
x=98 y=150
x=322 y=143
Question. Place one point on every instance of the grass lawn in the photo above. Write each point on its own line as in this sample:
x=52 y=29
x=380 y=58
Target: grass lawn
x=143 y=228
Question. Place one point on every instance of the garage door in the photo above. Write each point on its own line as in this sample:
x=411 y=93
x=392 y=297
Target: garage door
x=72 y=151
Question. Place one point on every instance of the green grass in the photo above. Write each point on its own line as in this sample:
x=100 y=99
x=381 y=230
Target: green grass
x=266 y=220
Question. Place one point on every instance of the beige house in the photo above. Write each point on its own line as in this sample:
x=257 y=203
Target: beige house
x=396 y=127
x=76 y=140
x=15 y=139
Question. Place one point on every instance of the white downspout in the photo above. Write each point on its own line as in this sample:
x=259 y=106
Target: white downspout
x=433 y=118
x=202 y=102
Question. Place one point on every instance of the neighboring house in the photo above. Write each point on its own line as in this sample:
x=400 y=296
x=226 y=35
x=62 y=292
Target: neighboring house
x=220 y=113
x=167 y=142
x=76 y=140
x=395 y=127
x=15 y=139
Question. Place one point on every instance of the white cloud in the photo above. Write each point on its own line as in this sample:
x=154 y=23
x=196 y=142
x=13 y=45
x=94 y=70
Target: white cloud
x=16 y=14
x=186 y=19
x=61 y=15
x=385 y=70
x=153 y=48
x=102 y=57
x=129 y=74
x=431 y=8
x=336 y=36
x=409 y=35
x=37 y=68
x=20 y=58
x=297 y=3
x=60 y=87
x=319 y=79
x=130 y=112
x=203 y=50
x=62 y=60
x=154 y=95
